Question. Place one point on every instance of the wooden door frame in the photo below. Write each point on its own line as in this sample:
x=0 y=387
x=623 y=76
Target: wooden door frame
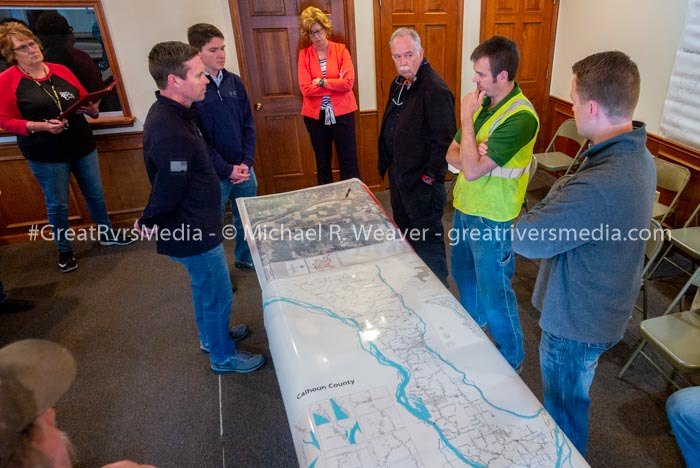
x=380 y=48
x=542 y=139
x=350 y=43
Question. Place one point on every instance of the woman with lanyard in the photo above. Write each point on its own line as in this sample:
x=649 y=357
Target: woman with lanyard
x=33 y=94
x=326 y=78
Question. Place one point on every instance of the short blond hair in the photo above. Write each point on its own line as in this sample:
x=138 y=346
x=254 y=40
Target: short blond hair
x=7 y=32
x=311 y=16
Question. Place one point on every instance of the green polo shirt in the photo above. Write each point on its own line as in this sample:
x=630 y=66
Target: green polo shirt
x=510 y=136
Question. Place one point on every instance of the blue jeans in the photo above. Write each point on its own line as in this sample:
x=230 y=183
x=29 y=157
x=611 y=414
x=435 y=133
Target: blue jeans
x=231 y=192
x=683 y=411
x=568 y=368
x=54 y=179
x=212 y=298
x=482 y=265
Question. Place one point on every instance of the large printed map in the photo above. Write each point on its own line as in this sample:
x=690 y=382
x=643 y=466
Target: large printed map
x=378 y=364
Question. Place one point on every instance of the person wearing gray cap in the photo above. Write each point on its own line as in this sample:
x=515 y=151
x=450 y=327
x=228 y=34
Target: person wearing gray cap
x=34 y=375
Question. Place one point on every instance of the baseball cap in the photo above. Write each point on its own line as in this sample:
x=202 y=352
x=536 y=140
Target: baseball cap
x=34 y=375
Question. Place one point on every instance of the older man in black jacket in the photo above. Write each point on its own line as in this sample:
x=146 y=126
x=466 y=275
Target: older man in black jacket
x=417 y=129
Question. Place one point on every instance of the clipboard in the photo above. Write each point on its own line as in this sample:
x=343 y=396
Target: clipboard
x=88 y=98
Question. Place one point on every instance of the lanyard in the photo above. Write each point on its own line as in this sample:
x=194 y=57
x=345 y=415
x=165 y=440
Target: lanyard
x=54 y=98
x=53 y=95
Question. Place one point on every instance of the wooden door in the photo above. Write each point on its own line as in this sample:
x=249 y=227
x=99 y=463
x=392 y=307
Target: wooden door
x=268 y=40
x=532 y=25
x=439 y=24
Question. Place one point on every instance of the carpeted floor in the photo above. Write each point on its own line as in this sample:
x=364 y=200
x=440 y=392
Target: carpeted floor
x=144 y=390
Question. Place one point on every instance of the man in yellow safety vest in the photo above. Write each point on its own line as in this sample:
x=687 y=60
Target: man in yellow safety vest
x=492 y=150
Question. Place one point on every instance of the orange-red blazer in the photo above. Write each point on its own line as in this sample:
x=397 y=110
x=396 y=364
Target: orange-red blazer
x=339 y=89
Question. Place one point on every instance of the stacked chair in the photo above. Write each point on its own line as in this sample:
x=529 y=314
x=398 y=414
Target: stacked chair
x=675 y=336
x=670 y=178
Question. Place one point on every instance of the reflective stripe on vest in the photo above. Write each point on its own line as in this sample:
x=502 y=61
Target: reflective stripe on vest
x=508 y=110
x=509 y=172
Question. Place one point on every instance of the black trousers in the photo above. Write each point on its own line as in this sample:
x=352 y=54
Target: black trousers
x=322 y=137
x=417 y=210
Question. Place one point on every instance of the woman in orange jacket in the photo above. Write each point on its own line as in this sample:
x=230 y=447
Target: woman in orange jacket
x=326 y=77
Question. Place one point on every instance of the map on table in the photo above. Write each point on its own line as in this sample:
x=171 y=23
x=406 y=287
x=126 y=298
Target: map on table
x=378 y=364
x=318 y=229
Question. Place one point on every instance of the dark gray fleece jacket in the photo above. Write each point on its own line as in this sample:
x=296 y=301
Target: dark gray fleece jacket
x=587 y=231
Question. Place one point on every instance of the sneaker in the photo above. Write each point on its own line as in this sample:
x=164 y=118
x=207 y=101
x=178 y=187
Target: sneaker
x=237 y=333
x=10 y=306
x=117 y=239
x=66 y=261
x=244 y=266
x=242 y=362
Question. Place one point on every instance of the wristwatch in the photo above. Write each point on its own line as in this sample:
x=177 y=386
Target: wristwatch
x=322 y=82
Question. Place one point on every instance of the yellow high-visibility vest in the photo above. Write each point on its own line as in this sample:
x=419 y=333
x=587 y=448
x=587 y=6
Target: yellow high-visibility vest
x=499 y=194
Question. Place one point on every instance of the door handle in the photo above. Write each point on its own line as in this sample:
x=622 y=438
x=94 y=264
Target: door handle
x=258 y=106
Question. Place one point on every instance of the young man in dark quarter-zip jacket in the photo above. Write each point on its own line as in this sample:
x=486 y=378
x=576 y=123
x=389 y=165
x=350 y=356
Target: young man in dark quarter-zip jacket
x=226 y=121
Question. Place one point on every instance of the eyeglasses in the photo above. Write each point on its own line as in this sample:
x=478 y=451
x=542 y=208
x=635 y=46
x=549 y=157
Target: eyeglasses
x=317 y=32
x=25 y=48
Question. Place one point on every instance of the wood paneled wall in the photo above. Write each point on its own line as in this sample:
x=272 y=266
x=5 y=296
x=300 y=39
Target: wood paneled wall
x=127 y=188
x=560 y=110
x=367 y=150
x=124 y=180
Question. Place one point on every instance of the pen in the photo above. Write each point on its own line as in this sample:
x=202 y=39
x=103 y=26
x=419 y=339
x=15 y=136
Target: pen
x=347 y=193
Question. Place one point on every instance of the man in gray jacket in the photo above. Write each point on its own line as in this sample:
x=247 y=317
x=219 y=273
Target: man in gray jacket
x=589 y=232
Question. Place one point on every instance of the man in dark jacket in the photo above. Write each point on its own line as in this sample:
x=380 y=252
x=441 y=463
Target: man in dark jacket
x=227 y=124
x=417 y=128
x=183 y=211
x=589 y=234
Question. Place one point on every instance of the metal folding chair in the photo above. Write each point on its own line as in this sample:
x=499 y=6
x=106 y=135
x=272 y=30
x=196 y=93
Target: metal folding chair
x=556 y=161
x=686 y=239
x=651 y=251
x=531 y=173
x=676 y=337
x=673 y=178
